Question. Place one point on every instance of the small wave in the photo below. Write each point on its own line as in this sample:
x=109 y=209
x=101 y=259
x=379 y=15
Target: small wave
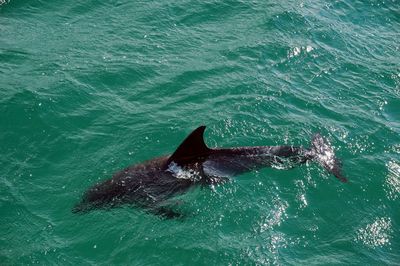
x=393 y=180
x=2 y=2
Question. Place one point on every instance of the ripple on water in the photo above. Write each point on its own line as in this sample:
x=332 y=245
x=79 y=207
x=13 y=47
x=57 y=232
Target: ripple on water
x=393 y=180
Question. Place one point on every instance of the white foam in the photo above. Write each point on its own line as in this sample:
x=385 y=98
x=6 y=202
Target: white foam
x=182 y=173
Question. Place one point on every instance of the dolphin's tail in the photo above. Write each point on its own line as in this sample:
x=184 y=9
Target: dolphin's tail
x=322 y=152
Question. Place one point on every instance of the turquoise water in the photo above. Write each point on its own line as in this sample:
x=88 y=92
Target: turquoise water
x=89 y=87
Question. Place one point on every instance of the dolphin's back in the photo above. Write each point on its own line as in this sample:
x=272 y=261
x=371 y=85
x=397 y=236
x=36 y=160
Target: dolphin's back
x=235 y=161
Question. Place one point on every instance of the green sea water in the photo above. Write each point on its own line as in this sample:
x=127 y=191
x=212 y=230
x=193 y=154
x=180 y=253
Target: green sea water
x=90 y=87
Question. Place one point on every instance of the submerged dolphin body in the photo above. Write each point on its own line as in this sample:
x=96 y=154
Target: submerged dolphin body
x=150 y=184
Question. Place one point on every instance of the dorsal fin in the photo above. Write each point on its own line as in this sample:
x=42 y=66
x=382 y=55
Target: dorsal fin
x=193 y=146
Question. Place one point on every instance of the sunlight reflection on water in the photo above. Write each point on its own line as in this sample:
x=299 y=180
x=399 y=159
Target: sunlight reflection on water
x=377 y=233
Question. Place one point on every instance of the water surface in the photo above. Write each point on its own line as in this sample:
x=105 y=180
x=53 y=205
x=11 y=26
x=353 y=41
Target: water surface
x=89 y=87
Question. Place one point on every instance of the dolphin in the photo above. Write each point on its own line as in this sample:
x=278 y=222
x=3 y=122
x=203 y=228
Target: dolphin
x=152 y=183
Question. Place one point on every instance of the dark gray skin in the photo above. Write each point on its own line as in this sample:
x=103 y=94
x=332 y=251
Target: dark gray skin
x=150 y=184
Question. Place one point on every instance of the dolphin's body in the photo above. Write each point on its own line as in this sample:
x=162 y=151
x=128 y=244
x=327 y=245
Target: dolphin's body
x=151 y=183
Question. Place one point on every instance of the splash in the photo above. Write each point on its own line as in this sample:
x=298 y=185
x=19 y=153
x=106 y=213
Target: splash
x=296 y=51
x=182 y=173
